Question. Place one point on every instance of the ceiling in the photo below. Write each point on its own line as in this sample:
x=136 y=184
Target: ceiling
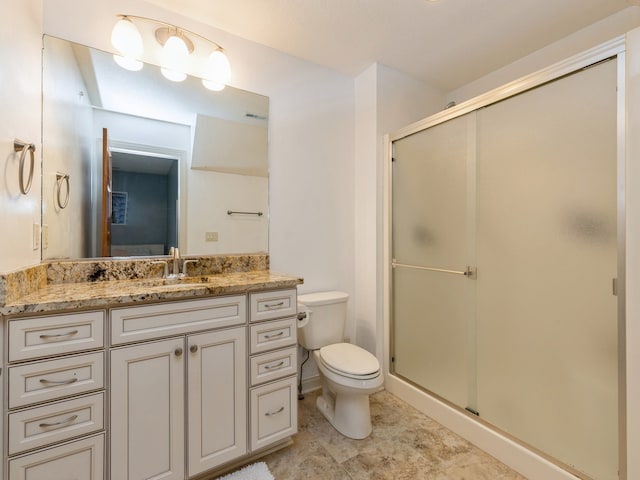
x=446 y=43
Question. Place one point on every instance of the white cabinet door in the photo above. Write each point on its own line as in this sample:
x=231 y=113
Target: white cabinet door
x=274 y=412
x=82 y=459
x=147 y=411
x=217 y=398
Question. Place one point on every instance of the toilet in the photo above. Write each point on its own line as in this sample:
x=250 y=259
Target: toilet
x=349 y=373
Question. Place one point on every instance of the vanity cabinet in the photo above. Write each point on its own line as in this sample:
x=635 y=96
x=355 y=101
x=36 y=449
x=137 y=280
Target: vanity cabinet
x=273 y=366
x=151 y=422
x=192 y=386
x=54 y=420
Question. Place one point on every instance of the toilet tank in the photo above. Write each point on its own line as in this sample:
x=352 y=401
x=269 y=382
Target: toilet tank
x=327 y=313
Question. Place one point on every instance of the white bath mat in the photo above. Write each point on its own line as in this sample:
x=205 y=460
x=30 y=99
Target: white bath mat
x=255 y=471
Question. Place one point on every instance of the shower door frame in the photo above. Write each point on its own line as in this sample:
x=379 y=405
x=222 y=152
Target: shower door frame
x=510 y=450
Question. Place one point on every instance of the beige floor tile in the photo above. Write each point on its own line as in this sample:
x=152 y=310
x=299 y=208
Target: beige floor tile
x=404 y=444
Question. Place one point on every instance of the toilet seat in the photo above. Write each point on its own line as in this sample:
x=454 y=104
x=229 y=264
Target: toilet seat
x=350 y=361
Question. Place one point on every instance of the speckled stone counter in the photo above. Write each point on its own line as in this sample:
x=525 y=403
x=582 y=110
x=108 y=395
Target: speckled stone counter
x=63 y=286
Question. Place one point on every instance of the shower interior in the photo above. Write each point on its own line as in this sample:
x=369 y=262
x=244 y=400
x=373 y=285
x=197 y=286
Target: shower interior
x=505 y=246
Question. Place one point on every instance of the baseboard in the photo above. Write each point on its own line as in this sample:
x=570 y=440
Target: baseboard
x=243 y=461
x=311 y=384
x=516 y=456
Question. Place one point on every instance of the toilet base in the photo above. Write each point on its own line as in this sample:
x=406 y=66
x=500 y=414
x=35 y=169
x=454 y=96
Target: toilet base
x=348 y=413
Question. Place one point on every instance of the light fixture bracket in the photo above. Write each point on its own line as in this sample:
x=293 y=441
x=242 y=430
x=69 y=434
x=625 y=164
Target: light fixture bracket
x=163 y=34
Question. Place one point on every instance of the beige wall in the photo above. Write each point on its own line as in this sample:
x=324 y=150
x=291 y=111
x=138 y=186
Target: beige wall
x=19 y=118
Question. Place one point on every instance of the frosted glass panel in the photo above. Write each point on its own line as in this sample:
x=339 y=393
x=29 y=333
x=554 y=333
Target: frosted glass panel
x=430 y=222
x=431 y=335
x=546 y=256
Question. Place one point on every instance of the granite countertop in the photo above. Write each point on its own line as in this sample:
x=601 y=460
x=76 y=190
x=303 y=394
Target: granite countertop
x=83 y=295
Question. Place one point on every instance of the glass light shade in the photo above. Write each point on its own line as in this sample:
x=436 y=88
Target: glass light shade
x=209 y=85
x=218 y=70
x=175 y=56
x=173 y=75
x=126 y=38
x=128 y=63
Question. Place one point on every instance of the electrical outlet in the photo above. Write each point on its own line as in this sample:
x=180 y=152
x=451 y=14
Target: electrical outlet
x=211 y=236
x=36 y=236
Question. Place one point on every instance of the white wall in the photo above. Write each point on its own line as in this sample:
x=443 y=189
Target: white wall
x=591 y=36
x=142 y=131
x=211 y=194
x=19 y=118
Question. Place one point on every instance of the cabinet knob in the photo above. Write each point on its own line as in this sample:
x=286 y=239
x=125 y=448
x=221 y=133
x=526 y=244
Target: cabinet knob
x=178 y=351
x=193 y=348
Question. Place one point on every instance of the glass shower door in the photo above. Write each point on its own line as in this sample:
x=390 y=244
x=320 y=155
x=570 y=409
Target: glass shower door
x=547 y=254
x=433 y=234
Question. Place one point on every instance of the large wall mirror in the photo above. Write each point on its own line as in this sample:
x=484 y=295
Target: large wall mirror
x=134 y=164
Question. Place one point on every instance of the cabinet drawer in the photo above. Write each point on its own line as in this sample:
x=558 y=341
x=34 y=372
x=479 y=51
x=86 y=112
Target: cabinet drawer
x=272 y=335
x=273 y=365
x=147 y=322
x=42 y=381
x=55 y=334
x=274 y=412
x=276 y=304
x=82 y=459
x=40 y=426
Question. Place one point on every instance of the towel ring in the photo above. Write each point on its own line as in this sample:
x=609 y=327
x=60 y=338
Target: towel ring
x=20 y=146
x=60 y=179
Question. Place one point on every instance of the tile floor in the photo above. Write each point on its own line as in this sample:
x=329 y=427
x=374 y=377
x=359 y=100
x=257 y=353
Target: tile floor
x=404 y=444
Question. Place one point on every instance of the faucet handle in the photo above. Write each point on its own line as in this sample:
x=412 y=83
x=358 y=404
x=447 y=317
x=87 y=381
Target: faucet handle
x=187 y=262
x=166 y=267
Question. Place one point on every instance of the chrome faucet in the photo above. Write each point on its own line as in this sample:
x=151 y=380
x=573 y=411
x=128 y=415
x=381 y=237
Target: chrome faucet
x=175 y=255
x=166 y=267
x=185 y=264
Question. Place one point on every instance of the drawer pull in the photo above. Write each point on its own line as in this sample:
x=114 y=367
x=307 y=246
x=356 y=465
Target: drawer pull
x=270 y=414
x=271 y=367
x=275 y=335
x=193 y=348
x=61 y=422
x=273 y=305
x=178 y=351
x=46 y=336
x=60 y=382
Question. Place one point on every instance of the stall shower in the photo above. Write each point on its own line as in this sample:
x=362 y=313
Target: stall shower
x=505 y=255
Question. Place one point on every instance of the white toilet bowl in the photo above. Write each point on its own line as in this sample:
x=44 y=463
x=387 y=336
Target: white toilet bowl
x=349 y=375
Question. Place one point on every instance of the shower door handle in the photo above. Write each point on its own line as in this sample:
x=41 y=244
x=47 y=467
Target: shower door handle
x=470 y=272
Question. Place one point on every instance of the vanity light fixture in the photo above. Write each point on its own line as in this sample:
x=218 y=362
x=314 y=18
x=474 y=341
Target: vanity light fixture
x=127 y=40
x=176 y=54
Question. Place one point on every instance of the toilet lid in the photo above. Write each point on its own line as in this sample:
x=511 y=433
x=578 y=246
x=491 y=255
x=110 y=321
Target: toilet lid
x=349 y=359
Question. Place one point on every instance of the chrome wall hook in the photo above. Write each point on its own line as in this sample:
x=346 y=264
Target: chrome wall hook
x=24 y=147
